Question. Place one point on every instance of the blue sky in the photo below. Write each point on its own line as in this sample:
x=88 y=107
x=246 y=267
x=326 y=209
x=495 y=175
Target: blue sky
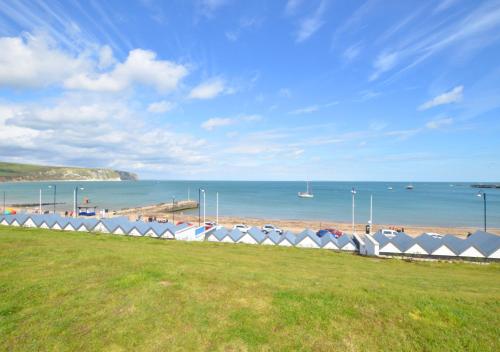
x=258 y=90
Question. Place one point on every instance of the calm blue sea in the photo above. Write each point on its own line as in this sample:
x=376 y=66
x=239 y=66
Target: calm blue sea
x=440 y=204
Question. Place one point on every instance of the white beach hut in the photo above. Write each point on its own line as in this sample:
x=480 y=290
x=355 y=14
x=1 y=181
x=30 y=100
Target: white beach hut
x=434 y=246
x=308 y=239
x=487 y=244
x=328 y=241
x=287 y=239
x=252 y=236
x=217 y=235
x=271 y=239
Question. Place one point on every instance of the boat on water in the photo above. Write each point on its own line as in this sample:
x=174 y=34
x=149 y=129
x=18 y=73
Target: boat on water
x=410 y=186
x=389 y=188
x=307 y=193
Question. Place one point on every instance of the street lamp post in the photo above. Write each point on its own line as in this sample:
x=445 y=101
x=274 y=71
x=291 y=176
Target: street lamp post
x=40 y=205
x=75 y=200
x=204 y=207
x=217 y=209
x=55 y=192
x=483 y=195
x=353 y=191
x=173 y=212
x=199 y=205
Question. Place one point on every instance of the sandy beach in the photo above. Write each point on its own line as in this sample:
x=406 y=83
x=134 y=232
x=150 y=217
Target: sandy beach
x=296 y=225
x=163 y=212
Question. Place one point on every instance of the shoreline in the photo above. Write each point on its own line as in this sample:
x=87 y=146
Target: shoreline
x=163 y=211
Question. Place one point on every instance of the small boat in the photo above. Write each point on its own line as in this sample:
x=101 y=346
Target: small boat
x=389 y=188
x=409 y=187
x=307 y=193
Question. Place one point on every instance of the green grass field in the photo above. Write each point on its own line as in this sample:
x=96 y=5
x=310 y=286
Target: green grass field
x=63 y=291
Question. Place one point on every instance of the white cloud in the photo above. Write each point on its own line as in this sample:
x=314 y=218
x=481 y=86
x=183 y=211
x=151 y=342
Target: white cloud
x=209 y=89
x=306 y=110
x=453 y=96
x=160 y=106
x=35 y=61
x=215 y=122
x=106 y=58
x=207 y=8
x=309 y=25
x=383 y=63
x=92 y=131
x=352 y=52
x=292 y=6
x=32 y=62
x=141 y=66
x=436 y=124
x=312 y=108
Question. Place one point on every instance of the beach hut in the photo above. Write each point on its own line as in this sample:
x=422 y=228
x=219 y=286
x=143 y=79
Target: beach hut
x=123 y=226
x=19 y=219
x=88 y=225
x=287 y=239
x=138 y=229
x=329 y=241
x=72 y=224
x=487 y=244
x=3 y=220
x=407 y=245
x=217 y=235
x=434 y=246
x=308 y=239
x=271 y=239
x=162 y=230
x=253 y=236
x=345 y=243
x=459 y=246
x=233 y=236
x=33 y=220
x=48 y=221
x=385 y=244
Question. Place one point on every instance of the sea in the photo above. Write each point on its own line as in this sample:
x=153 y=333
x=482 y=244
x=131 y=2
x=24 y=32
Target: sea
x=429 y=203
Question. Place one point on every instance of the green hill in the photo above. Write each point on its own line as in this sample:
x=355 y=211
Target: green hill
x=67 y=291
x=27 y=172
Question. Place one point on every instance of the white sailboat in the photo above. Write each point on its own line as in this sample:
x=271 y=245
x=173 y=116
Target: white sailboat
x=307 y=193
x=409 y=187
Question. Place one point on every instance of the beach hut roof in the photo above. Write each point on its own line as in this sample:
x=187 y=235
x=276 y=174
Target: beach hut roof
x=36 y=218
x=181 y=226
x=343 y=240
x=274 y=236
x=76 y=223
x=160 y=228
x=220 y=233
x=487 y=243
x=309 y=233
x=90 y=223
x=381 y=239
x=455 y=244
x=402 y=241
x=235 y=235
x=51 y=219
x=140 y=226
x=257 y=234
x=289 y=236
x=429 y=243
x=21 y=218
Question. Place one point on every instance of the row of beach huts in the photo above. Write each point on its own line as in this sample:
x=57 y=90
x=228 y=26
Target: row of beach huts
x=478 y=246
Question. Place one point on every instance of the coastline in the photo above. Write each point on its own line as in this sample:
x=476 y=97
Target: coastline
x=301 y=224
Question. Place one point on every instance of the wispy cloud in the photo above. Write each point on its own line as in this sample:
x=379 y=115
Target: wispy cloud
x=453 y=96
x=309 y=25
x=216 y=122
x=207 y=8
x=439 y=123
x=209 y=89
x=479 y=27
x=161 y=107
x=312 y=108
x=292 y=6
x=352 y=52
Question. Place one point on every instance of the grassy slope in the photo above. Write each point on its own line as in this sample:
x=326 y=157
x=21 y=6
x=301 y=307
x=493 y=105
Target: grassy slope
x=27 y=172
x=71 y=291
